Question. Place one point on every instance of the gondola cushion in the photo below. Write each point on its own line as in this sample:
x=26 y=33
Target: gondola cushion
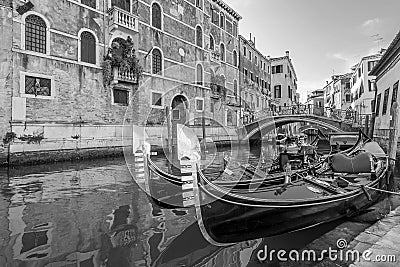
x=361 y=163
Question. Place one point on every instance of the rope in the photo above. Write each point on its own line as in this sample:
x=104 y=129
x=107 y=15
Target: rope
x=372 y=188
x=383 y=191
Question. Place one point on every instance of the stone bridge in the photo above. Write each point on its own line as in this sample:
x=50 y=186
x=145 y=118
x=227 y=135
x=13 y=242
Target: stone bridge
x=334 y=120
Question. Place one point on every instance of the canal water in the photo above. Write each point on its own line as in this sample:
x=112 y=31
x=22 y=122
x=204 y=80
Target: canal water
x=91 y=213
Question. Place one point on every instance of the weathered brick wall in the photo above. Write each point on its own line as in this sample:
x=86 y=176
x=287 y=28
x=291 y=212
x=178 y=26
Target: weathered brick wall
x=6 y=3
x=179 y=22
x=5 y=76
x=79 y=91
x=170 y=89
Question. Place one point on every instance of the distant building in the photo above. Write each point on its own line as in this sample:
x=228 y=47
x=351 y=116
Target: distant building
x=284 y=87
x=337 y=93
x=255 y=77
x=328 y=95
x=341 y=92
x=284 y=81
x=315 y=102
x=387 y=83
x=362 y=86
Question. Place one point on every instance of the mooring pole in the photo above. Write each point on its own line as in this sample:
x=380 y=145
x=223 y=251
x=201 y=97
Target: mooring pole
x=393 y=139
x=169 y=137
x=203 y=126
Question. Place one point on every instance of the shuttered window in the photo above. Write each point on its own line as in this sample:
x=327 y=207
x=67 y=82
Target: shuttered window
x=378 y=104
x=199 y=36
x=88 y=47
x=212 y=45
x=395 y=90
x=277 y=91
x=156 y=16
x=222 y=51
x=199 y=74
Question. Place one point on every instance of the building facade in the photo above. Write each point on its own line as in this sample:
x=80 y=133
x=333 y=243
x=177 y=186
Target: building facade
x=362 y=86
x=328 y=95
x=254 y=79
x=194 y=71
x=315 y=102
x=53 y=68
x=338 y=92
x=284 y=81
x=387 y=83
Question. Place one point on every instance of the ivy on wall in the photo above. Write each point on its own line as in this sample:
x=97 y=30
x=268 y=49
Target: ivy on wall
x=121 y=55
x=217 y=86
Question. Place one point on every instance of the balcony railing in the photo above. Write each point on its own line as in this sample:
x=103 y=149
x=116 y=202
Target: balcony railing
x=125 y=76
x=122 y=18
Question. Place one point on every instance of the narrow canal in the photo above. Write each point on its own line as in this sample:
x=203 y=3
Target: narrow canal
x=92 y=214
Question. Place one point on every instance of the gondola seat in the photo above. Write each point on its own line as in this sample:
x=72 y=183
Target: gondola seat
x=361 y=163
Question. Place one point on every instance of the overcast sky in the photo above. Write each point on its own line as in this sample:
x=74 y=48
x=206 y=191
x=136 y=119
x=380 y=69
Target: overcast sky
x=323 y=36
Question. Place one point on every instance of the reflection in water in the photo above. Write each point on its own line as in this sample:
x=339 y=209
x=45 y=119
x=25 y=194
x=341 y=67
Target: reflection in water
x=92 y=214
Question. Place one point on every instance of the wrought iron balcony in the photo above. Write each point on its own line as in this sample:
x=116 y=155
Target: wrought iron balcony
x=124 y=75
x=122 y=18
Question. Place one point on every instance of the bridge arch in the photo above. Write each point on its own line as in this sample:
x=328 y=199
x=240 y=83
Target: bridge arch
x=267 y=125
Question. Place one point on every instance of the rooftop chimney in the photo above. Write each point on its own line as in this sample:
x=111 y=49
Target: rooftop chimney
x=287 y=53
x=250 y=36
x=254 y=41
x=269 y=57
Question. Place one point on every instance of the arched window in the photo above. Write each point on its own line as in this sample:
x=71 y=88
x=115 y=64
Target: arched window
x=234 y=58
x=212 y=45
x=123 y=4
x=222 y=20
x=156 y=16
x=157 y=61
x=199 y=74
x=199 y=36
x=88 y=47
x=35 y=34
x=222 y=51
x=235 y=29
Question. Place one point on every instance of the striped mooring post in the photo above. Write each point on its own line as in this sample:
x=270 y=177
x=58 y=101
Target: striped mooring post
x=138 y=166
x=189 y=172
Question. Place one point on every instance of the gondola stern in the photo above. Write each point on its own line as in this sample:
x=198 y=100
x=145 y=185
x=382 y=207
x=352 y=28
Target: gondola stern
x=198 y=206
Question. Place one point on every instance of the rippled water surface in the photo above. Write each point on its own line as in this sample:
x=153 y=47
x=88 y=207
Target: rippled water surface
x=92 y=214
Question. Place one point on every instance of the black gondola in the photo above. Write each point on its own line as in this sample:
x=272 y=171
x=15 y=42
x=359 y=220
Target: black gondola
x=342 y=188
x=166 y=189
